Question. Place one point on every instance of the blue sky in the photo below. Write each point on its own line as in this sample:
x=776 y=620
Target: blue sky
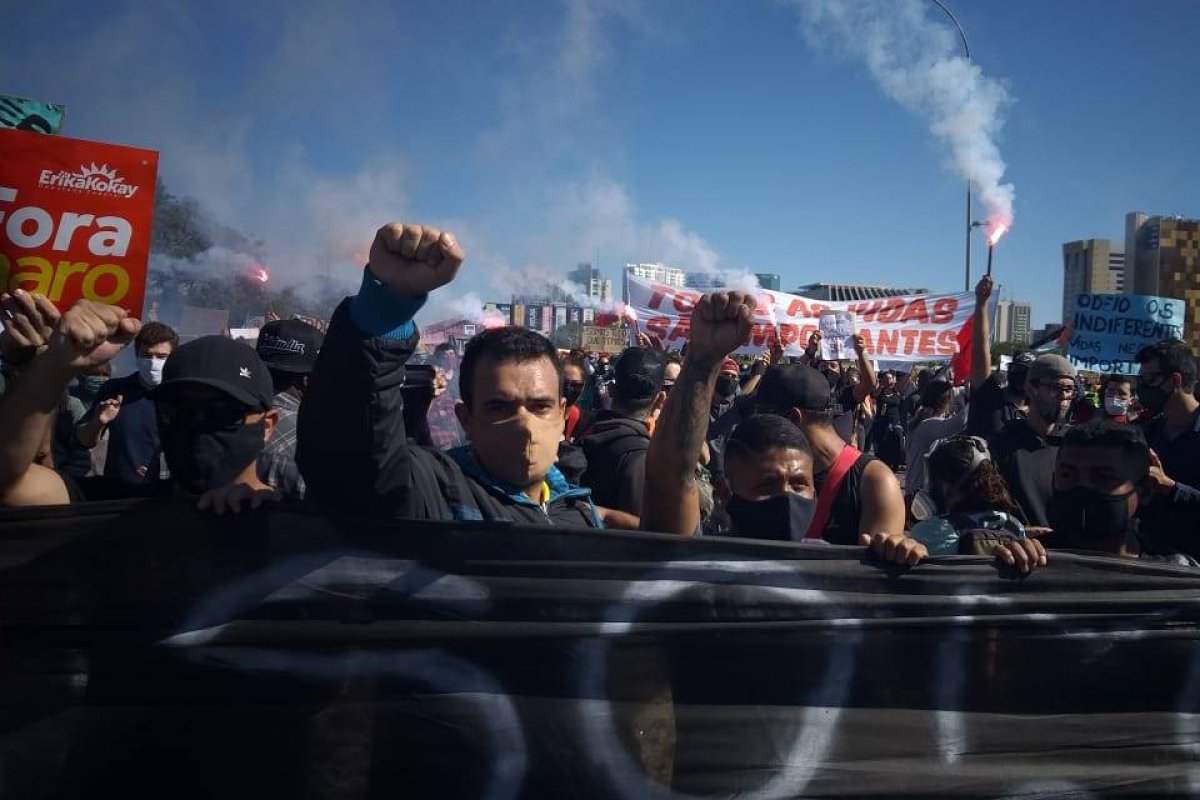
x=709 y=133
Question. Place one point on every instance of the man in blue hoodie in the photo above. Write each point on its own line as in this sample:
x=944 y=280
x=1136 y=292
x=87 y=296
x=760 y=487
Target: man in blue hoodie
x=352 y=447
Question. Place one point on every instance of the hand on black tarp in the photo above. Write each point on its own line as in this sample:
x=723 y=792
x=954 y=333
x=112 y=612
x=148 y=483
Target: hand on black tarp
x=895 y=548
x=233 y=497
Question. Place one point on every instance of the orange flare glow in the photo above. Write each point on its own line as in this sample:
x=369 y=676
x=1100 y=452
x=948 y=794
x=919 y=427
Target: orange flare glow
x=997 y=234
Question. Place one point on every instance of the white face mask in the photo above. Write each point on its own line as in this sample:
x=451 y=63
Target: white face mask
x=1116 y=406
x=151 y=370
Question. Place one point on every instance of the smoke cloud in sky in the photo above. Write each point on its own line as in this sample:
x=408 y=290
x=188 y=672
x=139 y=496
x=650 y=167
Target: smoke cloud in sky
x=915 y=57
x=290 y=142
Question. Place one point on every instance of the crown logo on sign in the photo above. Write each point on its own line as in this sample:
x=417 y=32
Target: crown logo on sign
x=103 y=171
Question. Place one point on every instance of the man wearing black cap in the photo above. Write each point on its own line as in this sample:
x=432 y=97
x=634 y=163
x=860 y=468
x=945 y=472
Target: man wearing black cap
x=213 y=409
x=289 y=348
x=1025 y=448
x=615 y=445
x=856 y=493
x=991 y=406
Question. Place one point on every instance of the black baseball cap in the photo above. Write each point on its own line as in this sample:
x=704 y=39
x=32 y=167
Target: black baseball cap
x=785 y=386
x=289 y=345
x=223 y=364
x=639 y=373
x=1022 y=360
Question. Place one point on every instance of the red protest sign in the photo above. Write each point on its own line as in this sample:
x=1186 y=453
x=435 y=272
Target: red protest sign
x=75 y=218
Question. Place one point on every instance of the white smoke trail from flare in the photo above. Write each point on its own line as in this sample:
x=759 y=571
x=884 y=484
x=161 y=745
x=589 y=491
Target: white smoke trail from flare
x=914 y=57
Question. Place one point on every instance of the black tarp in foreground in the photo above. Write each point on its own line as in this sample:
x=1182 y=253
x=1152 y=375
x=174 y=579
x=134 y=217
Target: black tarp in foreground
x=150 y=651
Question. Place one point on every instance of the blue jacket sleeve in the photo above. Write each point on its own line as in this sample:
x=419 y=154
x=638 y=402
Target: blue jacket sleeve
x=351 y=446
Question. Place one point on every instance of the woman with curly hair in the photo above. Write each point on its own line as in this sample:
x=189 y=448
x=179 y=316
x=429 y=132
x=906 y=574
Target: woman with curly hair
x=963 y=492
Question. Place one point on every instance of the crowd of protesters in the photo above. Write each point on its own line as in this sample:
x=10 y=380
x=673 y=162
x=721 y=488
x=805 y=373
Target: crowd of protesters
x=1010 y=463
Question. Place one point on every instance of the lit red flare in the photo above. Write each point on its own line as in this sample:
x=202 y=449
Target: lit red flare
x=997 y=233
x=261 y=275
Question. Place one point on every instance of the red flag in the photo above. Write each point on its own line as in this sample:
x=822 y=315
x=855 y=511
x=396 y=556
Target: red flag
x=961 y=363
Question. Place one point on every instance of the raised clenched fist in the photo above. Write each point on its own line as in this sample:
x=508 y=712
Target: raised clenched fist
x=983 y=289
x=721 y=323
x=90 y=334
x=29 y=321
x=415 y=259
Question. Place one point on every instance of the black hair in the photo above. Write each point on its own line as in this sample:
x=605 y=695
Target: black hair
x=1170 y=356
x=1115 y=378
x=153 y=333
x=984 y=490
x=934 y=394
x=1128 y=439
x=637 y=408
x=504 y=346
x=763 y=432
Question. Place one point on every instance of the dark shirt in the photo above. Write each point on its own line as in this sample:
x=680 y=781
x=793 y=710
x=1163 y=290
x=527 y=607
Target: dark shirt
x=1171 y=523
x=1181 y=455
x=990 y=410
x=1026 y=461
x=615 y=448
x=133 y=435
x=842 y=527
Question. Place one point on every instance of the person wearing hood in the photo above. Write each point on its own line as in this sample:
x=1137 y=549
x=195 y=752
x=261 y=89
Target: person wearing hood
x=353 y=450
x=212 y=410
x=615 y=445
x=125 y=409
x=1026 y=447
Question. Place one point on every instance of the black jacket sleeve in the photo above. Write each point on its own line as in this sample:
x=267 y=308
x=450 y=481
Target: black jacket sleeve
x=351 y=446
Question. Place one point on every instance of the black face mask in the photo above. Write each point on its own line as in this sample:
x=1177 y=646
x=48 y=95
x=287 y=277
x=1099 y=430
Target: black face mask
x=785 y=517
x=571 y=393
x=1152 y=398
x=726 y=385
x=201 y=460
x=1087 y=515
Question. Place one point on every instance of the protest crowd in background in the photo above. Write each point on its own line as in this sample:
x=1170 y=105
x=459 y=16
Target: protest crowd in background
x=702 y=438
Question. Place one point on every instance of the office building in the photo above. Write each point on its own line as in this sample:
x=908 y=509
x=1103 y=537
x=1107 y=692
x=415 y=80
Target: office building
x=658 y=273
x=598 y=289
x=1163 y=259
x=1013 y=320
x=1095 y=266
x=704 y=281
x=847 y=292
x=768 y=281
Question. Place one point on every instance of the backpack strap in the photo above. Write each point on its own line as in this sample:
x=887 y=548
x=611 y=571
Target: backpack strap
x=833 y=484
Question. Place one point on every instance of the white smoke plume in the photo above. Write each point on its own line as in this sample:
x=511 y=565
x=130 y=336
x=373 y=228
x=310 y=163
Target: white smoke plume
x=915 y=58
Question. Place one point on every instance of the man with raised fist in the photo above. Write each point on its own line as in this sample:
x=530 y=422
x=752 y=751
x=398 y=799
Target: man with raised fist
x=353 y=450
x=212 y=409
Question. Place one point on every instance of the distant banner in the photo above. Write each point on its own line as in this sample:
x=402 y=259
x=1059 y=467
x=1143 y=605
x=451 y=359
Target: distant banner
x=1109 y=329
x=30 y=115
x=604 y=340
x=907 y=328
x=75 y=218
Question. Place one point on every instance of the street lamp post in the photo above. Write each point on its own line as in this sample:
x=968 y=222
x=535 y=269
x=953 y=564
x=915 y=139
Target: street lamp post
x=967 y=51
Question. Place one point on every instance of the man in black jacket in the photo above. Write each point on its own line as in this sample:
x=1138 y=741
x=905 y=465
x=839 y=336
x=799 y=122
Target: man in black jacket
x=352 y=447
x=615 y=445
